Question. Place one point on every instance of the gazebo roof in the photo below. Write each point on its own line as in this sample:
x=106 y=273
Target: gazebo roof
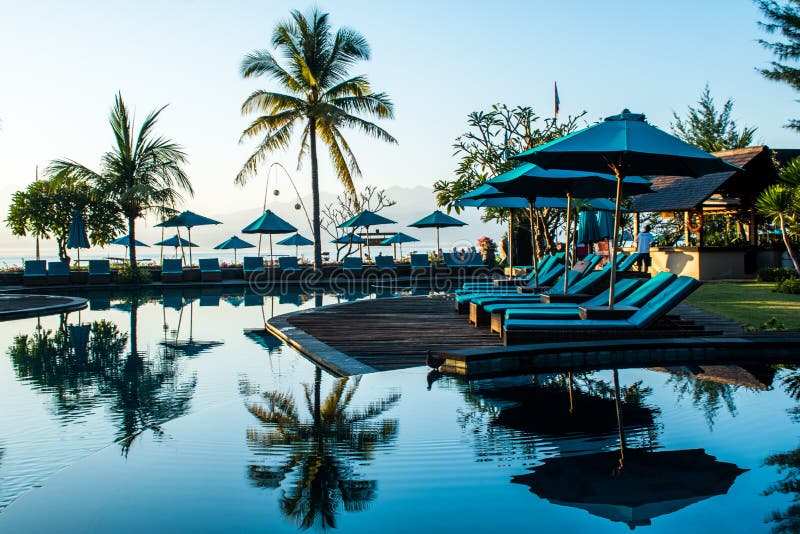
x=729 y=189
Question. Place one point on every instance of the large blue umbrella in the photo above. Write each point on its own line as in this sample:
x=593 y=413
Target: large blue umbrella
x=366 y=219
x=437 y=220
x=296 y=240
x=624 y=145
x=176 y=241
x=77 y=234
x=348 y=238
x=588 y=230
x=531 y=181
x=188 y=219
x=234 y=243
x=268 y=223
x=605 y=223
x=398 y=239
x=125 y=241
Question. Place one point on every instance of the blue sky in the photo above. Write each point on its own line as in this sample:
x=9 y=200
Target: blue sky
x=62 y=62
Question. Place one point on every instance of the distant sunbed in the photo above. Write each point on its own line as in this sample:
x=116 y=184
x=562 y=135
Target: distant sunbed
x=171 y=271
x=352 y=264
x=420 y=261
x=35 y=273
x=99 y=272
x=57 y=272
x=457 y=261
x=209 y=270
x=385 y=263
x=289 y=263
x=251 y=265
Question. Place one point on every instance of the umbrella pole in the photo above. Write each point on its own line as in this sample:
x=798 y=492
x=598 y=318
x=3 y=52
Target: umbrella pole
x=510 y=243
x=531 y=204
x=369 y=248
x=234 y=255
x=438 y=248
x=161 y=256
x=566 y=242
x=189 y=228
x=614 y=241
x=270 y=251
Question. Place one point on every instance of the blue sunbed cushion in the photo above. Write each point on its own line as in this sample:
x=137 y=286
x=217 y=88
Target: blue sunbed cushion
x=35 y=268
x=420 y=261
x=289 y=263
x=171 y=266
x=648 y=290
x=209 y=265
x=352 y=264
x=99 y=268
x=252 y=264
x=385 y=262
x=57 y=268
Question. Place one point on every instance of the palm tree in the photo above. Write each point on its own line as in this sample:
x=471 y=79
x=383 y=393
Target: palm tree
x=318 y=95
x=780 y=202
x=141 y=175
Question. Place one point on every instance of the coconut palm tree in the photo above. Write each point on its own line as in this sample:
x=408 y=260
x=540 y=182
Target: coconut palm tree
x=780 y=202
x=319 y=97
x=142 y=174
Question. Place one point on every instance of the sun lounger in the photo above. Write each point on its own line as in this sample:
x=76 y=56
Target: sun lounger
x=289 y=264
x=499 y=312
x=35 y=273
x=546 y=278
x=99 y=272
x=385 y=263
x=252 y=265
x=57 y=273
x=209 y=270
x=352 y=264
x=456 y=261
x=171 y=271
x=529 y=331
x=628 y=262
x=420 y=261
x=544 y=265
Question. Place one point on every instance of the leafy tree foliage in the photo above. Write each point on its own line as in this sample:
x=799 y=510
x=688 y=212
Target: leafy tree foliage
x=142 y=174
x=783 y=19
x=711 y=129
x=347 y=206
x=484 y=152
x=318 y=95
x=44 y=209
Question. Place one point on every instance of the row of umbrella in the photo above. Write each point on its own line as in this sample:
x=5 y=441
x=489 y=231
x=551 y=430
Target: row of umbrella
x=606 y=159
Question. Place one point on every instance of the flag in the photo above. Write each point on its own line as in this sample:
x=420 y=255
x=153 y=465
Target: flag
x=556 y=101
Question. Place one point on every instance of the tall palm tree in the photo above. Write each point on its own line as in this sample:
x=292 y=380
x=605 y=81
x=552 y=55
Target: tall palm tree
x=318 y=95
x=780 y=202
x=142 y=174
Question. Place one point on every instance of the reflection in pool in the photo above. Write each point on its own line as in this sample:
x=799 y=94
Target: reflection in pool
x=177 y=412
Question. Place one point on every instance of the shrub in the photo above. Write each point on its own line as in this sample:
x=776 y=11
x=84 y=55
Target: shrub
x=790 y=285
x=128 y=274
x=772 y=325
x=775 y=274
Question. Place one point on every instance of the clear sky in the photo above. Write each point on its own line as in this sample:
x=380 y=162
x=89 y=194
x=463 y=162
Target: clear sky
x=62 y=62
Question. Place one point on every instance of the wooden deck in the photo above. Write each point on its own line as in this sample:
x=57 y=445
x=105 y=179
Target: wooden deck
x=394 y=333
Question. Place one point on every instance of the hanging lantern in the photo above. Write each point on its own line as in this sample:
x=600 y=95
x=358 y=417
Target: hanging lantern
x=276 y=192
x=297 y=206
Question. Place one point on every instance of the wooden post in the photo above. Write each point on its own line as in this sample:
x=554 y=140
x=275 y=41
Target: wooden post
x=686 y=232
x=636 y=223
x=752 y=228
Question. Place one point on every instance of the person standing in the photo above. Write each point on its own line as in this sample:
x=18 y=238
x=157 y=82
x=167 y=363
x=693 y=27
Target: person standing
x=643 y=242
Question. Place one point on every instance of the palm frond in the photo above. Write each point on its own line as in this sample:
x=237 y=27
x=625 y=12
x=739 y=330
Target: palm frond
x=278 y=139
x=272 y=103
x=260 y=62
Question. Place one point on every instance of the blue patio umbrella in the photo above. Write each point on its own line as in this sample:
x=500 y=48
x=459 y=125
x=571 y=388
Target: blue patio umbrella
x=605 y=224
x=437 y=220
x=296 y=240
x=77 y=234
x=189 y=219
x=531 y=181
x=366 y=219
x=125 y=241
x=588 y=230
x=268 y=223
x=624 y=145
x=234 y=243
x=398 y=239
x=347 y=238
x=176 y=241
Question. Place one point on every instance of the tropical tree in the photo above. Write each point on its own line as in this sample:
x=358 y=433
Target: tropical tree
x=782 y=18
x=711 y=129
x=142 y=174
x=781 y=203
x=45 y=208
x=319 y=97
x=346 y=207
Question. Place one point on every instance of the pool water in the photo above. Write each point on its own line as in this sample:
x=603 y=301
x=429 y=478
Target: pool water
x=174 y=413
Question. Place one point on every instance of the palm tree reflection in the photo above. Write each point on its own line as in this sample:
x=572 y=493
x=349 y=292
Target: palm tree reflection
x=86 y=371
x=321 y=454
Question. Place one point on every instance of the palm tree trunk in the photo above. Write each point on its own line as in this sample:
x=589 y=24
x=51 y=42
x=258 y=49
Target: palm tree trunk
x=789 y=248
x=132 y=239
x=312 y=128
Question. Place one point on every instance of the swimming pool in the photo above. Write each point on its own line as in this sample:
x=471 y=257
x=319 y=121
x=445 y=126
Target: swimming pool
x=173 y=412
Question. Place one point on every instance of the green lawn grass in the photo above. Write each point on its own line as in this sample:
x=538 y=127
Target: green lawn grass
x=751 y=304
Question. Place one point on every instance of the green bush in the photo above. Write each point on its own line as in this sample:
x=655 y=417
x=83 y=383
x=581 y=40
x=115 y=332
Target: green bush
x=133 y=275
x=790 y=285
x=775 y=274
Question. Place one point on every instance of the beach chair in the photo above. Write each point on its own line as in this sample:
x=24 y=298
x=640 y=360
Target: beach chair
x=35 y=273
x=57 y=273
x=544 y=266
x=516 y=331
x=385 y=263
x=99 y=272
x=456 y=261
x=627 y=263
x=289 y=264
x=209 y=270
x=252 y=265
x=420 y=261
x=171 y=271
x=550 y=278
x=352 y=265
